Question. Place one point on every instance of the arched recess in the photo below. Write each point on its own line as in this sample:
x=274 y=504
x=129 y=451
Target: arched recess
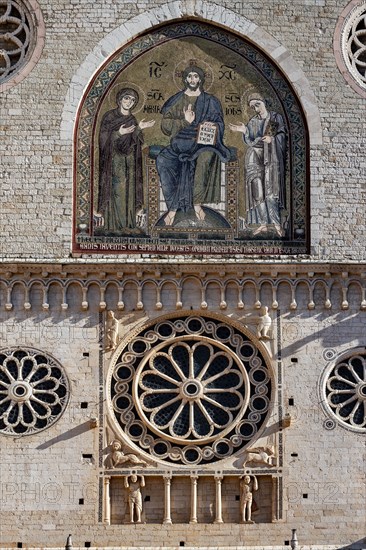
x=237 y=70
x=205 y=11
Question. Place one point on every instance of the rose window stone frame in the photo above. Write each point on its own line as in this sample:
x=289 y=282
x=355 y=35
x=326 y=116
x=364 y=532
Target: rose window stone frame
x=350 y=45
x=22 y=31
x=34 y=391
x=343 y=390
x=190 y=389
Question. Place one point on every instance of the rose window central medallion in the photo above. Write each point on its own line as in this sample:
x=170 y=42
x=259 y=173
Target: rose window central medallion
x=190 y=390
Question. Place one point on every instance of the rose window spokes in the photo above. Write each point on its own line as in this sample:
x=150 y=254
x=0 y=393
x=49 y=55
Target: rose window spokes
x=16 y=32
x=33 y=391
x=356 y=47
x=191 y=390
x=346 y=392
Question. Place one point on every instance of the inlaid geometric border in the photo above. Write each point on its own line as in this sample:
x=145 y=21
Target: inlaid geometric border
x=298 y=150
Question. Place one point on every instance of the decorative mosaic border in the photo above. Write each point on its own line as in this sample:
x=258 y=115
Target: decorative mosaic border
x=86 y=243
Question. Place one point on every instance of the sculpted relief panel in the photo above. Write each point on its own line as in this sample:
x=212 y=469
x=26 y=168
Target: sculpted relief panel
x=190 y=141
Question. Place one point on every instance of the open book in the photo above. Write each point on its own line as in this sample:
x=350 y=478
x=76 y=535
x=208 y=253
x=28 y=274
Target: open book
x=207 y=133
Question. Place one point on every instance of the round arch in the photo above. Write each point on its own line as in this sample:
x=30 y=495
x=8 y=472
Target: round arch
x=204 y=11
x=236 y=71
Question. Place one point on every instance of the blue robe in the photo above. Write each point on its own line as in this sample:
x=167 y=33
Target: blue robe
x=190 y=172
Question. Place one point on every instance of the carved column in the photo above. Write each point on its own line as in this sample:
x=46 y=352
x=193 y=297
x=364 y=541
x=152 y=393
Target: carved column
x=274 y=489
x=218 y=518
x=193 y=518
x=167 y=483
x=107 y=501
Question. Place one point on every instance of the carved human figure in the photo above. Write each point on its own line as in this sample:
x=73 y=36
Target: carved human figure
x=134 y=484
x=117 y=457
x=265 y=159
x=248 y=485
x=262 y=321
x=112 y=331
x=264 y=324
x=189 y=169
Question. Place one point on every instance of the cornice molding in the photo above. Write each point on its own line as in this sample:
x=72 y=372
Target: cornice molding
x=114 y=281
x=103 y=270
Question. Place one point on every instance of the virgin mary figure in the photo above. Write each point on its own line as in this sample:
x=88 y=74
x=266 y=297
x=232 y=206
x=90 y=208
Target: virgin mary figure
x=120 y=189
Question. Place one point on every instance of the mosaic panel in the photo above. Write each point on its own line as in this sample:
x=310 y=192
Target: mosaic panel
x=190 y=141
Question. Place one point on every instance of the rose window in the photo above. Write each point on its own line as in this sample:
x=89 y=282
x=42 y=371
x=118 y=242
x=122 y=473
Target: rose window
x=190 y=390
x=345 y=392
x=354 y=44
x=33 y=391
x=350 y=45
x=16 y=32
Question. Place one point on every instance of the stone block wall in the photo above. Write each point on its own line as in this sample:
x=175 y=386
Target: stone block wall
x=37 y=152
x=52 y=481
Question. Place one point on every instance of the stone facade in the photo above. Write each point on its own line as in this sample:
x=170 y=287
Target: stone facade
x=282 y=335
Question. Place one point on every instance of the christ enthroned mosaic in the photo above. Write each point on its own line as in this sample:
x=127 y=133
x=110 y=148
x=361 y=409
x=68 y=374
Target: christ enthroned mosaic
x=190 y=141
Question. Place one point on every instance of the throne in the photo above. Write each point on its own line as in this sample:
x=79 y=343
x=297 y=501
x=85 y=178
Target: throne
x=223 y=216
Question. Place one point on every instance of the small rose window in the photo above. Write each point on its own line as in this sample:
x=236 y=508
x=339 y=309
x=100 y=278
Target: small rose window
x=33 y=391
x=350 y=45
x=22 y=34
x=344 y=386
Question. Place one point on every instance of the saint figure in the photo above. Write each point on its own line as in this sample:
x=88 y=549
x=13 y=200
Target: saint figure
x=248 y=485
x=190 y=167
x=120 y=192
x=265 y=160
x=134 y=484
